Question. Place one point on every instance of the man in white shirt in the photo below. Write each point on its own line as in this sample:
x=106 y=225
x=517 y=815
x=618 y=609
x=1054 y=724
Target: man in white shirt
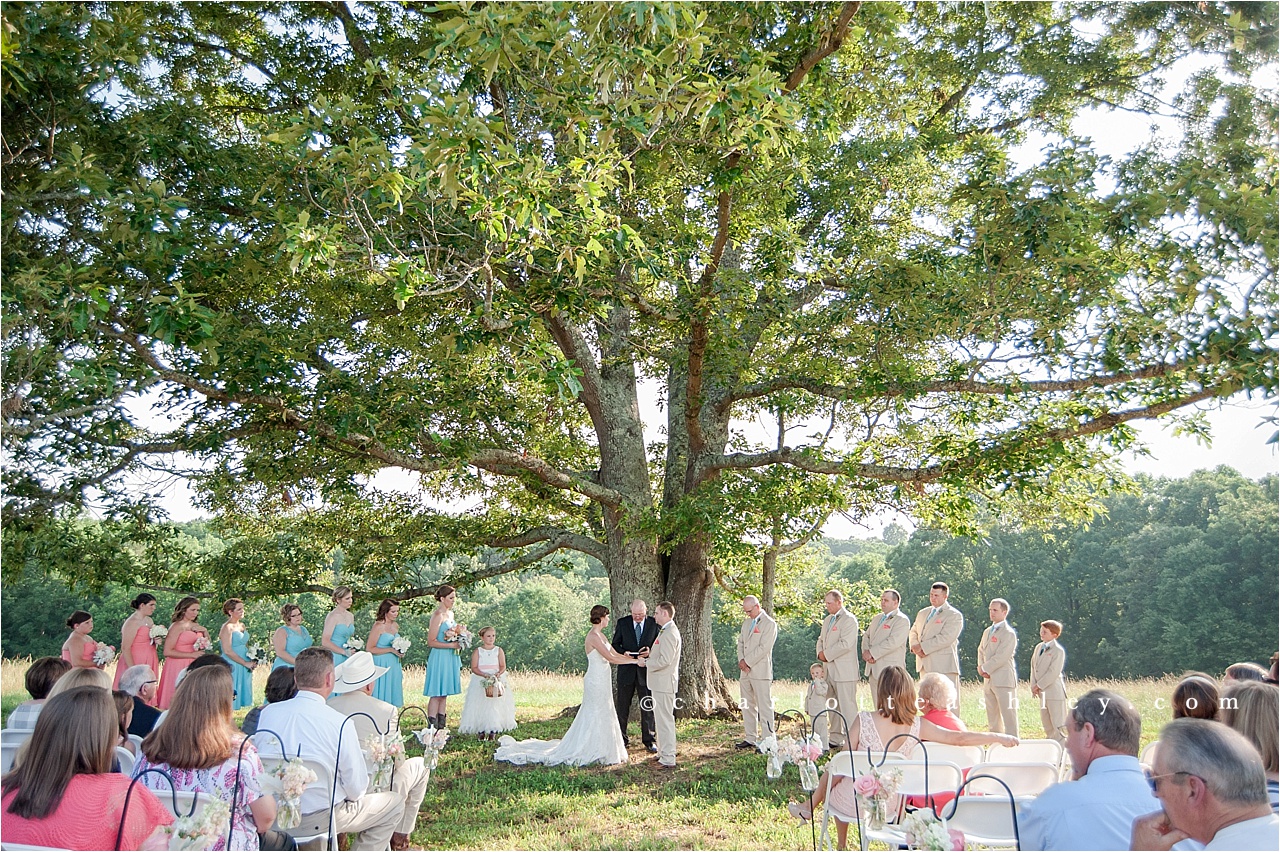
x=353 y=683
x=312 y=729
x=1097 y=810
x=1213 y=788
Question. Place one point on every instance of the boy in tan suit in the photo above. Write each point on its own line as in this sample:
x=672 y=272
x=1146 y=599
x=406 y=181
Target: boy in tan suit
x=935 y=636
x=838 y=648
x=1047 y=684
x=884 y=642
x=999 y=670
x=663 y=666
x=755 y=666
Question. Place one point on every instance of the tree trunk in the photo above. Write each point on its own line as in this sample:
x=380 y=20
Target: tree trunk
x=769 y=577
x=703 y=689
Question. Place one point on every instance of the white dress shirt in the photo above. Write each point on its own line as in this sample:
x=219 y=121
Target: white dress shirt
x=1096 y=812
x=310 y=727
x=1250 y=834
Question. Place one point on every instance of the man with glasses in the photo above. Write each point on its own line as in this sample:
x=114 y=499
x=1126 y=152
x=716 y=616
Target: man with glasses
x=1212 y=788
x=140 y=682
x=1097 y=810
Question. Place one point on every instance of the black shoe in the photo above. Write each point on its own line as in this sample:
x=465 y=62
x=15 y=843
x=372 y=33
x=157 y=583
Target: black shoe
x=743 y=744
x=650 y=747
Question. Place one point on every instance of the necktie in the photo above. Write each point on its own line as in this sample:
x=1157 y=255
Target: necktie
x=932 y=613
x=754 y=622
x=639 y=630
x=884 y=618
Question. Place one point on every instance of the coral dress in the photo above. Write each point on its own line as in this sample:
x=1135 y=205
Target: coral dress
x=442 y=667
x=241 y=676
x=389 y=687
x=90 y=648
x=142 y=651
x=294 y=641
x=174 y=666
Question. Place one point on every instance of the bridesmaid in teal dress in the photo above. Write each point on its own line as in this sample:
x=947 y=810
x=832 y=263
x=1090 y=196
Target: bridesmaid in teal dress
x=339 y=625
x=234 y=639
x=389 y=687
x=290 y=638
x=443 y=663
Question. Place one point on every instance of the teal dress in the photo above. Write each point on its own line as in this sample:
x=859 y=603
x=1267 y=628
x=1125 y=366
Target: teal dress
x=341 y=633
x=241 y=677
x=295 y=641
x=442 y=668
x=389 y=687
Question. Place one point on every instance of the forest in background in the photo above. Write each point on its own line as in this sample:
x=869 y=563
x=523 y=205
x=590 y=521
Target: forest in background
x=1179 y=574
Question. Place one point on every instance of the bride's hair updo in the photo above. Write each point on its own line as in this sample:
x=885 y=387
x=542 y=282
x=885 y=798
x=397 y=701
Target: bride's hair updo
x=599 y=613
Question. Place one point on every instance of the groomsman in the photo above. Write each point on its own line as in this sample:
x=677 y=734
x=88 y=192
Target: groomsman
x=999 y=670
x=633 y=636
x=838 y=648
x=935 y=636
x=1047 y=684
x=755 y=664
x=664 y=680
x=884 y=643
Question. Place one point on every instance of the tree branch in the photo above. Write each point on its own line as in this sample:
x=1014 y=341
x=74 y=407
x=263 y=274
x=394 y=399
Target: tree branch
x=829 y=45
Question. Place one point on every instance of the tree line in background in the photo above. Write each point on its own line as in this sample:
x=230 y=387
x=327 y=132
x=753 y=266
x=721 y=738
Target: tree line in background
x=1180 y=574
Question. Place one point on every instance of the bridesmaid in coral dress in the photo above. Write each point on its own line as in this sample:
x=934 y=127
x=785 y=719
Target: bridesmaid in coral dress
x=79 y=648
x=179 y=647
x=136 y=647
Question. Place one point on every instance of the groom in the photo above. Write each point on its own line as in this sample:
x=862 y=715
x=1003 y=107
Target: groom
x=633 y=635
x=664 y=678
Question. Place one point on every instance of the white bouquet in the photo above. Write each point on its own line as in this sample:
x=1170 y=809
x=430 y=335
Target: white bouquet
x=433 y=740
x=158 y=632
x=926 y=831
x=202 y=643
x=103 y=654
x=202 y=829
x=252 y=653
x=353 y=644
x=401 y=645
x=381 y=751
x=294 y=776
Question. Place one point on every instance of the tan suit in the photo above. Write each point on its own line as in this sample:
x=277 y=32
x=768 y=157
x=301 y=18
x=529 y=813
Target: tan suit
x=755 y=648
x=996 y=652
x=411 y=775
x=885 y=639
x=838 y=642
x=664 y=680
x=938 y=634
x=1047 y=662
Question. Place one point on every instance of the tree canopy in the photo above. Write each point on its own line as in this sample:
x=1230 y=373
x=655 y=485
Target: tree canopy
x=317 y=240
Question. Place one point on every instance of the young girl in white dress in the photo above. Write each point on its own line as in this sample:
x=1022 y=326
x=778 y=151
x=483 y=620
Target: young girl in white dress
x=482 y=714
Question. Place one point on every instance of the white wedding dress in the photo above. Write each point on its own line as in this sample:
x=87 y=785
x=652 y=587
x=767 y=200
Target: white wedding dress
x=593 y=737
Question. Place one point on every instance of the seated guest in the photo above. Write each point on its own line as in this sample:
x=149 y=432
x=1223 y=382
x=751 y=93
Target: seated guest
x=200 y=747
x=1196 y=697
x=1273 y=673
x=140 y=682
x=201 y=662
x=280 y=687
x=1244 y=671
x=1212 y=789
x=307 y=726
x=353 y=682
x=39 y=679
x=124 y=710
x=938 y=702
x=1097 y=810
x=81 y=677
x=64 y=794
x=1253 y=709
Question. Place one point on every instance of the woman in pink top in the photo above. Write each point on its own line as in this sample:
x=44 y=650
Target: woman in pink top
x=64 y=795
x=79 y=648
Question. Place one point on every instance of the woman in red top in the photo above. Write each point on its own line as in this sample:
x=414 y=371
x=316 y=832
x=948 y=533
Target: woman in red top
x=63 y=794
x=938 y=702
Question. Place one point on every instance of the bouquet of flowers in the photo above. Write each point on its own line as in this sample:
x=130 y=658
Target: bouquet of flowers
x=294 y=776
x=157 y=633
x=875 y=790
x=433 y=740
x=202 y=829
x=494 y=687
x=103 y=654
x=401 y=645
x=803 y=753
x=925 y=831
x=353 y=644
x=459 y=634
x=381 y=751
x=202 y=643
x=253 y=653
x=769 y=747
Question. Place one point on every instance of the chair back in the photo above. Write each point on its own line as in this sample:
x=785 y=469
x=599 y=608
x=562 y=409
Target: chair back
x=1148 y=756
x=987 y=821
x=924 y=778
x=126 y=759
x=1021 y=779
x=15 y=735
x=317 y=826
x=1027 y=751
x=962 y=756
x=8 y=751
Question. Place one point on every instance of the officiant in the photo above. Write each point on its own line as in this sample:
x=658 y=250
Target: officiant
x=633 y=635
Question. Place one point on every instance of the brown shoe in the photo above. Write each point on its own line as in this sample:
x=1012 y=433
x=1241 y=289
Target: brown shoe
x=344 y=842
x=399 y=842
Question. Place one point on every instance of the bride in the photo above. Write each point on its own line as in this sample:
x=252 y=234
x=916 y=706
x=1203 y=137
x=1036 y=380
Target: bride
x=594 y=736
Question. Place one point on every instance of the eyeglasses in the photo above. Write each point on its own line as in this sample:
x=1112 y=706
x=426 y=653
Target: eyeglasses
x=1154 y=780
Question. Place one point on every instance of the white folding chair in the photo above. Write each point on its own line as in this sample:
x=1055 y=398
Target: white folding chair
x=127 y=760
x=1148 y=756
x=15 y=735
x=320 y=825
x=27 y=846
x=1027 y=751
x=8 y=751
x=1022 y=779
x=985 y=820
x=137 y=742
x=962 y=756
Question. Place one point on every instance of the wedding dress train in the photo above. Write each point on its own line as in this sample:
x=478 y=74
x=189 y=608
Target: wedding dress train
x=593 y=737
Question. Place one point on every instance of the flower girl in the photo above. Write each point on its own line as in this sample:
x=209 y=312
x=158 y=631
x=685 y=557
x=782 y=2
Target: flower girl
x=815 y=701
x=490 y=708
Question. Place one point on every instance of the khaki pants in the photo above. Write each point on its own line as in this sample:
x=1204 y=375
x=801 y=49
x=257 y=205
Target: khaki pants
x=1053 y=715
x=411 y=782
x=664 y=720
x=845 y=692
x=757 y=708
x=1002 y=708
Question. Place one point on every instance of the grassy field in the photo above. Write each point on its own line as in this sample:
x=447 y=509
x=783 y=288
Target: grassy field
x=719 y=798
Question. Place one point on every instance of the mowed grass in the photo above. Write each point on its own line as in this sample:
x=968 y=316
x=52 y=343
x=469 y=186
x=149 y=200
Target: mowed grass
x=718 y=798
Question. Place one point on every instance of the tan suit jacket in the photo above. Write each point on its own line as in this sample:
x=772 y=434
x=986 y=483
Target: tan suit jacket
x=1047 y=662
x=838 y=640
x=996 y=655
x=755 y=647
x=664 y=660
x=384 y=714
x=885 y=639
x=939 y=637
